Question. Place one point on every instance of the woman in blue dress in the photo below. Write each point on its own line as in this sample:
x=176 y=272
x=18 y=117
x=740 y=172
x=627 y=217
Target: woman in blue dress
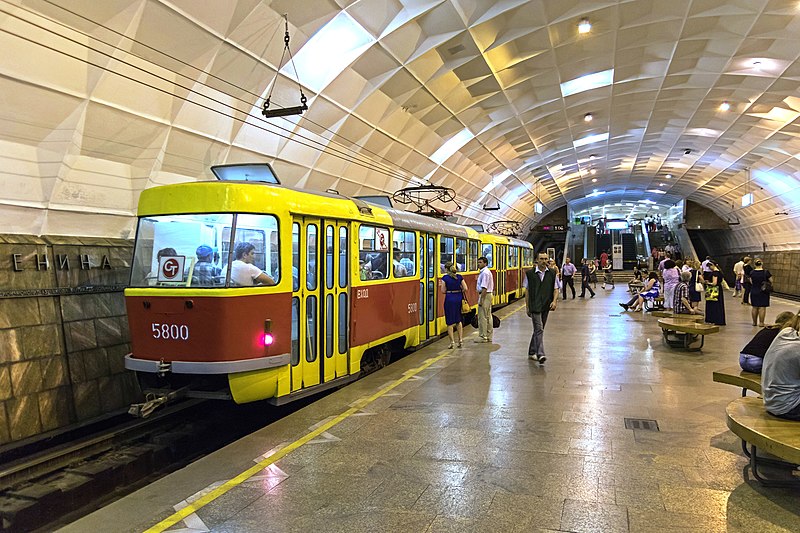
x=650 y=290
x=453 y=287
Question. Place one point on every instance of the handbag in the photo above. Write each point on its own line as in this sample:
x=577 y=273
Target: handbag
x=766 y=286
x=698 y=287
x=712 y=293
x=495 y=322
x=465 y=308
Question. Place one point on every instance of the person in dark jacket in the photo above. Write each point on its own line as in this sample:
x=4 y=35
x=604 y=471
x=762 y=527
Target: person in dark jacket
x=542 y=297
x=751 y=358
x=585 y=278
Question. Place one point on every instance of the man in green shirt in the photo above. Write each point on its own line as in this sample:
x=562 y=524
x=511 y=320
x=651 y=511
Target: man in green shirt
x=541 y=284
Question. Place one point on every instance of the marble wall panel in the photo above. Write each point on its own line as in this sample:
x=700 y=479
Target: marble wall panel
x=16 y=312
x=48 y=312
x=111 y=393
x=5 y=383
x=95 y=363
x=26 y=378
x=110 y=331
x=54 y=372
x=77 y=372
x=54 y=408
x=23 y=416
x=5 y=435
x=116 y=357
x=40 y=341
x=86 y=397
x=10 y=346
x=80 y=335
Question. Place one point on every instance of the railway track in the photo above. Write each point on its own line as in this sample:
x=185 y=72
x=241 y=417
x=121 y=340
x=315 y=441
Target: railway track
x=53 y=481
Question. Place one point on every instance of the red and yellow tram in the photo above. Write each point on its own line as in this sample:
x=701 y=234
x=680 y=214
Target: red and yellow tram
x=348 y=282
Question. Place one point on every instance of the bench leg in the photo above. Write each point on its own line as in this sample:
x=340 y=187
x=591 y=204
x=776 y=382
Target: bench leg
x=755 y=461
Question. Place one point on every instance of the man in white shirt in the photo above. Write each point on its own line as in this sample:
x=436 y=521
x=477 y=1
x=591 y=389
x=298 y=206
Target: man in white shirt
x=244 y=273
x=485 y=292
x=567 y=273
x=738 y=271
x=706 y=267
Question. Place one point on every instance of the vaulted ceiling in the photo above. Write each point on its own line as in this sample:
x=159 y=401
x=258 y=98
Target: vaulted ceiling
x=103 y=99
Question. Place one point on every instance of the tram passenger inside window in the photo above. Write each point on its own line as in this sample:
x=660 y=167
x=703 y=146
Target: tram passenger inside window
x=204 y=272
x=377 y=263
x=364 y=272
x=407 y=262
x=243 y=272
x=399 y=270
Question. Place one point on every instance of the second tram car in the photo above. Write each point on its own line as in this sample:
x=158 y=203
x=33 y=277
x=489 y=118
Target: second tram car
x=252 y=291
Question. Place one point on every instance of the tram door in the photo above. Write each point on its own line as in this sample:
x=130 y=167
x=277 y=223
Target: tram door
x=314 y=302
x=502 y=266
x=428 y=284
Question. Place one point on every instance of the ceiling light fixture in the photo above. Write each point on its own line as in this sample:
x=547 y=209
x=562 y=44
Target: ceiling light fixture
x=724 y=106
x=669 y=176
x=594 y=180
x=593 y=171
x=587 y=117
x=584 y=26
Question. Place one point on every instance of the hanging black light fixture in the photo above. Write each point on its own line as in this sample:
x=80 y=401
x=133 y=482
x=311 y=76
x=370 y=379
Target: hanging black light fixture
x=285 y=111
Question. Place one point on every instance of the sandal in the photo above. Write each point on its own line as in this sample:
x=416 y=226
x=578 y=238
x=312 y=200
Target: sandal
x=459 y=344
x=452 y=345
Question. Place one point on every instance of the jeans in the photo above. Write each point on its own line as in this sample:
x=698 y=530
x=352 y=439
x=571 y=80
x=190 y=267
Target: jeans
x=794 y=414
x=539 y=320
x=750 y=363
x=485 y=325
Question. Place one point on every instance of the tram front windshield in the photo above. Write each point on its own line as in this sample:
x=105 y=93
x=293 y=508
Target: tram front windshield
x=200 y=250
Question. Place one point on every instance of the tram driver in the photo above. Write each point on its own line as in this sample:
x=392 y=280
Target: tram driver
x=243 y=270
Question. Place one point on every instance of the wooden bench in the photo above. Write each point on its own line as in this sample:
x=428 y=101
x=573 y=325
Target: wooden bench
x=736 y=376
x=670 y=314
x=747 y=418
x=684 y=333
x=654 y=304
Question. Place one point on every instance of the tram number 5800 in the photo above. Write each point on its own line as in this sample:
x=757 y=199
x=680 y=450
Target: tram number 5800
x=173 y=332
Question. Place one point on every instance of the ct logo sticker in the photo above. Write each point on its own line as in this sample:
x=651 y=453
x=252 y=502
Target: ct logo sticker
x=170 y=268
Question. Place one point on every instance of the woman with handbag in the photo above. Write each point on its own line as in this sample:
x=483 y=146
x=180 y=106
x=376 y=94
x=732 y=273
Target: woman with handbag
x=761 y=281
x=715 y=296
x=454 y=288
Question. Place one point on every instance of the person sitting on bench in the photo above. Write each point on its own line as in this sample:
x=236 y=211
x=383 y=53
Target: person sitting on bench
x=751 y=357
x=681 y=304
x=649 y=291
x=780 y=376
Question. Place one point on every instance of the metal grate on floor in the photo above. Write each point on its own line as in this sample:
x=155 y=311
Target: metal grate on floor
x=641 y=423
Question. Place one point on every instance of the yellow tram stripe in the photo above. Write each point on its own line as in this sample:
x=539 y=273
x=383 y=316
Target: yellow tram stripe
x=250 y=472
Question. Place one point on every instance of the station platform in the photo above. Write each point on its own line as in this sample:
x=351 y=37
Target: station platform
x=482 y=439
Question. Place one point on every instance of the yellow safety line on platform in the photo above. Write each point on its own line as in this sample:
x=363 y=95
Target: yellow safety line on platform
x=250 y=472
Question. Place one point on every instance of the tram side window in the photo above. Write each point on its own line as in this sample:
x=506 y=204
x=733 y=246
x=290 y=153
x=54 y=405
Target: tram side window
x=461 y=254
x=472 y=258
x=373 y=253
x=446 y=251
x=486 y=251
x=180 y=250
x=512 y=256
x=295 y=257
x=404 y=253
x=256 y=251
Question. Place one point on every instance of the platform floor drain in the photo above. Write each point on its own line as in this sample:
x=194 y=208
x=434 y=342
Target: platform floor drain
x=641 y=423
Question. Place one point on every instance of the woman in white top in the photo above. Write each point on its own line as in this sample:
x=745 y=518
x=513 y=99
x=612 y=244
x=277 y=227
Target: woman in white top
x=243 y=272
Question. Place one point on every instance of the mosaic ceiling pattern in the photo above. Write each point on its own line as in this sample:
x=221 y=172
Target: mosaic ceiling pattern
x=104 y=99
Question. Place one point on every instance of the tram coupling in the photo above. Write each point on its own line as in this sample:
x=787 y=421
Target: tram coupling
x=155 y=399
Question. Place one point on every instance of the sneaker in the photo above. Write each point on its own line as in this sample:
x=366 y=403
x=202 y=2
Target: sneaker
x=480 y=339
x=533 y=357
x=542 y=359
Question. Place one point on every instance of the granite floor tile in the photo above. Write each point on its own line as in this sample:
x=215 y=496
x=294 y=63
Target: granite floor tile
x=582 y=516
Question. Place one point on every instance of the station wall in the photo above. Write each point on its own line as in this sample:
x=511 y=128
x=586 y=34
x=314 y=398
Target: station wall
x=63 y=332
